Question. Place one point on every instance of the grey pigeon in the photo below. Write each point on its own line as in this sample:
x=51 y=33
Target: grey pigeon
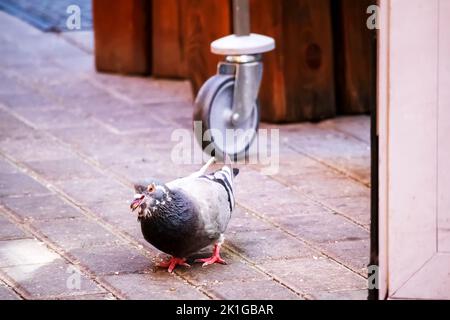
x=188 y=214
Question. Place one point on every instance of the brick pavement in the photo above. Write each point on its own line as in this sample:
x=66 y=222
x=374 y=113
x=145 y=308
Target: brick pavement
x=68 y=157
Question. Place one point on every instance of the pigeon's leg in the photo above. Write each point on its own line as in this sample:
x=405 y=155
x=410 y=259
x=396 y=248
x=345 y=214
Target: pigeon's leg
x=172 y=263
x=215 y=258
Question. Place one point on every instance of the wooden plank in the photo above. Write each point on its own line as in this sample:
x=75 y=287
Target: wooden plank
x=122 y=37
x=444 y=129
x=203 y=22
x=298 y=83
x=266 y=18
x=354 y=51
x=169 y=56
x=431 y=282
x=412 y=138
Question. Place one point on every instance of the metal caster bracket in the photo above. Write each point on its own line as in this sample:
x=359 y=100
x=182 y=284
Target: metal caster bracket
x=247 y=70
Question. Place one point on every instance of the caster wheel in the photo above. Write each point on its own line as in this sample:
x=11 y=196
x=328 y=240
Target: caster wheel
x=213 y=107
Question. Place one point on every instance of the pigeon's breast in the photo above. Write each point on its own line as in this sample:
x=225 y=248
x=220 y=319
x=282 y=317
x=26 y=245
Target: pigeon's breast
x=177 y=231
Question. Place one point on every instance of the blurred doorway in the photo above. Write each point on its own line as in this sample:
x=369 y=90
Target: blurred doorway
x=413 y=128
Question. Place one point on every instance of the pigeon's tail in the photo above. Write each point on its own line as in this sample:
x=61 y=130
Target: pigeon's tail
x=235 y=171
x=225 y=176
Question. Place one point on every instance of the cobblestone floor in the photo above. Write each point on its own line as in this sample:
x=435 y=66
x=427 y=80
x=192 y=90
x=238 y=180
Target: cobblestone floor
x=72 y=141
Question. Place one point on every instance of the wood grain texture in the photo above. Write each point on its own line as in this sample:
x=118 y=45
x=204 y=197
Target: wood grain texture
x=168 y=41
x=203 y=22
x=122 y=34
x=354 y=52
x=298 y=83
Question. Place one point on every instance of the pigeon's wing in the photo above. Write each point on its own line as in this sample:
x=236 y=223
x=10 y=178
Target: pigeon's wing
x=213 y=196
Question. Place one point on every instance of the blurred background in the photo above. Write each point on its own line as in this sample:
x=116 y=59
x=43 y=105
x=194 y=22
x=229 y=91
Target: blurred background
x=323 y=66
x=89 y=106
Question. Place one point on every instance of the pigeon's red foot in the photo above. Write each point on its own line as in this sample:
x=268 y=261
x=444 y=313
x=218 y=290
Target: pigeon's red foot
x=172 y=263
x=215 y=258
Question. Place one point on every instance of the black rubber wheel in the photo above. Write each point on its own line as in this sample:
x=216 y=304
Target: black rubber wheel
x=213 y=107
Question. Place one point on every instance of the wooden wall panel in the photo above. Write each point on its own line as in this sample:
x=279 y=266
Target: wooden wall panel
x=203 y=22
x=354 y=51
x=266 y=18
x=168 y=43
x=298 y=83
x=182 y=33
x=122 y=36
x=299 y=75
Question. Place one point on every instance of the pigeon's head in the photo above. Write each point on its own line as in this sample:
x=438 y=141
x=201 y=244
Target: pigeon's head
x=150 y=198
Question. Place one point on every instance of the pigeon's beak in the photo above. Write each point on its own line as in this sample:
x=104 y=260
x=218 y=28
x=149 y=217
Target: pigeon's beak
x=138 y=200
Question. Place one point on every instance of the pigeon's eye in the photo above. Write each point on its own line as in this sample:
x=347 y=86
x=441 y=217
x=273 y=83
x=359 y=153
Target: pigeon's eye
x=151 y=188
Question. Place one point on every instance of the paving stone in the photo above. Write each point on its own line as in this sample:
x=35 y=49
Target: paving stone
x=9 y=85
x=154 y=286
x=322 y=227
x=64 y=169
x=79 y=88
x=315 y=275
x=7 y=294
x=47 y=46
x=52 y=279
x=19 y=58
x=82 y=39
x=252 y=289
x=35 y=148
x=18 y=184
x=79 y=65
x=147 y=90
x=92 y=191
x=27 y=100
x=95 y=296
x=259 y=197
x=346 y=153
x=41 y=75
x=74 y=233
x=47 y=118
x=356 y=126
x=319 y=186
x=136 y=119
x=178 y=114
x=264 y=191
x=42 y=207
x=99 y=105
x=242 y=221
x=118 y=213
x=5 y=167
x=316 y=141
x=136 y=170
x=294 y=163
x=270 y=244
x=94 y=141
x=357 y=208
x=12 y=128
x=352 y=253
x=342 y=295
x=112 y=259
x=9 y=231
x=233 y=270
x=24 y=252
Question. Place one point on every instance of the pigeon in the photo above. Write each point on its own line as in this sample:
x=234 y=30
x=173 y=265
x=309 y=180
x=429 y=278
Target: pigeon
x=186 y=215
